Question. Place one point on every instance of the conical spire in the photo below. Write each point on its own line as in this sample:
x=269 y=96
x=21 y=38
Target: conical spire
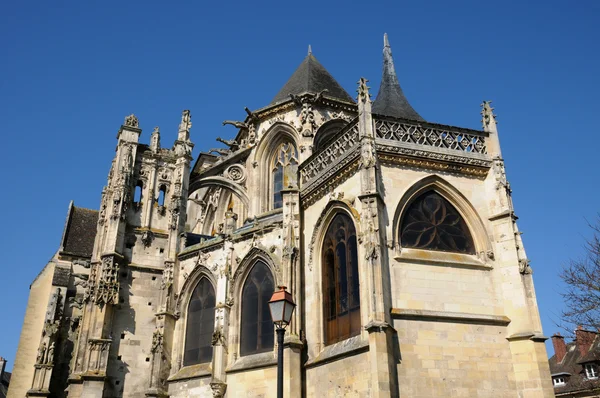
x=311 y=77
x=390 y=99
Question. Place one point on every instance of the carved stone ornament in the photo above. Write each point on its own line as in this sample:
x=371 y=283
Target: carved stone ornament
x=107 y=289
x=218 y=338
x=363 y=90
x=525 y=267
x=147 y=238
x=186 y=121
x=131 y=121
x=157 y=342
x=487 y=113
x=218 y=389
x=236 y=173
x=202 y=258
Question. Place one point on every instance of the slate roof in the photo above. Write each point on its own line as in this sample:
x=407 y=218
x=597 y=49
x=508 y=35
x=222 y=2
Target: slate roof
x=80 y=232
x=390 y=99
x=572 y=364
x=4 y=382
x=311 y=77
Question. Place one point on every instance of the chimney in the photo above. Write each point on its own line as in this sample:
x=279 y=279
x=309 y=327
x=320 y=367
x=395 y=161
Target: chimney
x=584 y=340
x=560 y=348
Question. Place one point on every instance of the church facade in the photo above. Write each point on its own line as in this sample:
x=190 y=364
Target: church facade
x=396 y=237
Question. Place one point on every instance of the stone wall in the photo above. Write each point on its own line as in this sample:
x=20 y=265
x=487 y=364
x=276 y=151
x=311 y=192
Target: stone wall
x=33 y=325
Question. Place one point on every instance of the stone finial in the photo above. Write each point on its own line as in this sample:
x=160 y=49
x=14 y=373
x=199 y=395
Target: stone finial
x=488 y=119
x=131 y=121
x=186 y=122
x=363 y=90
x=155 y=140
x=309 y=50
x=386 y=42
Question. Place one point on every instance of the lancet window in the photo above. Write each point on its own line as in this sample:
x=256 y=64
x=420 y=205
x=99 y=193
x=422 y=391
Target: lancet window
x=200 y=324
x=286 y=157
x=257 y=325
x=340 y=280
x=432 y=223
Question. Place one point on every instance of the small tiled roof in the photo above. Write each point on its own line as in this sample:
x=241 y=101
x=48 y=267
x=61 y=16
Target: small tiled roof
x=573 y=364
x=311 y=77
x=390 y=99
x=80 y=232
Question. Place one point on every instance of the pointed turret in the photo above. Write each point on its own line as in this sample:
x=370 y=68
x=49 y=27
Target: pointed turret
x=311 y=77
x=390 y=99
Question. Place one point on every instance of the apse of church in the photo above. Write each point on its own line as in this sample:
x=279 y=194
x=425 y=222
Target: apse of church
x=396 y=237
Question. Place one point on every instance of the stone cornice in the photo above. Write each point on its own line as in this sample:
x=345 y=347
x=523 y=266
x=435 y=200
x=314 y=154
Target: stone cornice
x=446 y=316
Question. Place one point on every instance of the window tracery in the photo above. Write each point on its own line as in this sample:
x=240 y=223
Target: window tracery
x=432 y=223
x=286 y=155
x=256 y=324
x=340 y=280
x=200 y=324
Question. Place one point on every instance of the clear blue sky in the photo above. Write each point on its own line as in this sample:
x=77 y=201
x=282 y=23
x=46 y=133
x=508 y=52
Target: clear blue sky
x=71 y=71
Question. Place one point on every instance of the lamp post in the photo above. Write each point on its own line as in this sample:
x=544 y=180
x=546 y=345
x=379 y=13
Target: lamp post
x=281 y=306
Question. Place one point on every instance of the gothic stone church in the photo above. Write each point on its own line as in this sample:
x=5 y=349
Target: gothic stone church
x=396 y=237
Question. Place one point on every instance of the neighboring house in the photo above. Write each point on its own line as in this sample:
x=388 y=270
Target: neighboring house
x=4 y=378
x=396 y=237
x=575 y=366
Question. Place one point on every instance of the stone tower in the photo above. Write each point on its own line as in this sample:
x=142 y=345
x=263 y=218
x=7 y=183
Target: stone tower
x=396 y=237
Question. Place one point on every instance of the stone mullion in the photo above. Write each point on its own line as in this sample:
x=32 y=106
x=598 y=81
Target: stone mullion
x=221 y=328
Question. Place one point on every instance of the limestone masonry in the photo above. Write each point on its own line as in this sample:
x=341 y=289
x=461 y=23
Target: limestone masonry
x=396 y=237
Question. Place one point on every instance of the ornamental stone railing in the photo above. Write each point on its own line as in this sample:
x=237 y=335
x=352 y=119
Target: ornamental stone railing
x=444 y=137
x=326 y=161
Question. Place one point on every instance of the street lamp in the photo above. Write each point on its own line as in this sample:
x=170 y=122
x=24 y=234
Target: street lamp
x=281 y=306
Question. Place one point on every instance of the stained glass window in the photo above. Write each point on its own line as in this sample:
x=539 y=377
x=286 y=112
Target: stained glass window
x=200 y=324
x=286 y=155
x=432 y=223
x=257 y=325
x=340 y=276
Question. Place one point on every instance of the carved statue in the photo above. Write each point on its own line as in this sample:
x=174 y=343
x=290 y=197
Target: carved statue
x=186 y=121
x=50 y=356
x=41 y=353
x=157 y=341
x=232 y=144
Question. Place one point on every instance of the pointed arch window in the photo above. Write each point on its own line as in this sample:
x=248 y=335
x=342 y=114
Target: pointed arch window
x=257 y=325
x=341 y=285
x=200 y=324
x=284 y=163
x=432 y=223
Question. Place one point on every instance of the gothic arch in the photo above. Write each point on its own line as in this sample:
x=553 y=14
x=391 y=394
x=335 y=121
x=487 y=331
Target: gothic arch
x=237 y=283
x=333 y=208
x=474 y=223
x=276 y=135
x=327 y=132
x=181 y=307
x=236 y=188
x=190 y=283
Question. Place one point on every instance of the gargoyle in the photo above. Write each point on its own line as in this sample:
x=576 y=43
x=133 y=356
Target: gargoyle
x=232 y=144
x=239 y=125
x=221 y=151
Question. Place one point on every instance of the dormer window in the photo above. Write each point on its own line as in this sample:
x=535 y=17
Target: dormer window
x=558 y=381
x=591 y=371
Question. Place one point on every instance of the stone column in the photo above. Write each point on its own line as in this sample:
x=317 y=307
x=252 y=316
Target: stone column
x=373 y=261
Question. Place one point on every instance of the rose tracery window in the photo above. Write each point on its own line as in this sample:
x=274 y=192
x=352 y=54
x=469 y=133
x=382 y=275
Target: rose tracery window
x=432 y=223
x=285 y=156
x=340 y=280
x=200 y=324
x=257 y=325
